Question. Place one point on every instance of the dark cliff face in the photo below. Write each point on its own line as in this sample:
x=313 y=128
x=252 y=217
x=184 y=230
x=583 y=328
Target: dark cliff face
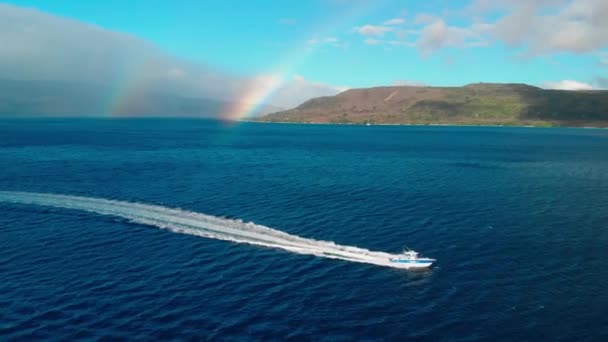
x=479 y=103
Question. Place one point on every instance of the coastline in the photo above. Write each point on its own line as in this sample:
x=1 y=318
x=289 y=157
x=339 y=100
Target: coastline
x=218 y=119
x=547 y=125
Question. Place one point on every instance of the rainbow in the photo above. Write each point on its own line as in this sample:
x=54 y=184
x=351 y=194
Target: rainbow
x=132 y=82
x=254 y=95
x=258 y=90
x=131 y=88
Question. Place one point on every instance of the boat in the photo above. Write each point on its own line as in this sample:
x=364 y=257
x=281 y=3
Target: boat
x=411 y=259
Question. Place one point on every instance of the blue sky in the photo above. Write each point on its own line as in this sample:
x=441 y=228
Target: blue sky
x=360 y=43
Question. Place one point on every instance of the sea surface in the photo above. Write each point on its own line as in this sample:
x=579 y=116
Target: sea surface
x=517 y=219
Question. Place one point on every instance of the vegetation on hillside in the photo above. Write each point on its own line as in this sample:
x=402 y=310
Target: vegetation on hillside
x=474 y=104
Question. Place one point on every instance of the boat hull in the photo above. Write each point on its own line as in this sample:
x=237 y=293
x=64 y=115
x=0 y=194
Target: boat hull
x=409 y=263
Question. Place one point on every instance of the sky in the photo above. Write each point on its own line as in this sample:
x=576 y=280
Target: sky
x=286 y=51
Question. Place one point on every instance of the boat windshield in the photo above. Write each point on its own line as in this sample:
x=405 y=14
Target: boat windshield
x=411 y=254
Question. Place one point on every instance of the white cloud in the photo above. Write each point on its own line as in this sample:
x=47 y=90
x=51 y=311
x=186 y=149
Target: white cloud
x=342 y=88
x=394 y=35
x=437 y=34
x=373 y=30
x=176 y=73
x=425 y=18
x=567 y=85
x=483 y=6
x=401 y=43
x=394 y=21
x=576 y=26
x=299 y=89
x=408 y=83
x=532 y=27
x=374 y=33
x=40 y=46
x=536 y=26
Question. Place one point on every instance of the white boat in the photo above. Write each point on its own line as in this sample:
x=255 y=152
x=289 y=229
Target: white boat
x=411 y=259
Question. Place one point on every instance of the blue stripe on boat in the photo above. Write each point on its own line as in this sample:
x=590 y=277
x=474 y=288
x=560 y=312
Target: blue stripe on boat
x=419 y=261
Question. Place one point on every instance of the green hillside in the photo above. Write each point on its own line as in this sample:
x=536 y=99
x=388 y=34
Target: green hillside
x=474 y=104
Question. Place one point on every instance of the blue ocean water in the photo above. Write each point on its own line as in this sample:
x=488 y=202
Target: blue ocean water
x=516 y=217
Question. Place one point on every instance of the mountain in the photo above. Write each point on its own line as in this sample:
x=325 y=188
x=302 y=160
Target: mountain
x=474 y=104
x=58 y=98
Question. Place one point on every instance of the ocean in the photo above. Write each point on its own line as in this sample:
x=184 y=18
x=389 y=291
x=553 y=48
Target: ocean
x=195 y=230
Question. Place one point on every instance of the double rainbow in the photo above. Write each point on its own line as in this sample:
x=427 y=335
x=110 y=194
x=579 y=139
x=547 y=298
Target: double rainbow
x=133 y=84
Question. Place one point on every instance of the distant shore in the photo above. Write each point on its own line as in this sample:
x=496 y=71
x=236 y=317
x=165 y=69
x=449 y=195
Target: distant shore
x=540 y=125
x=477 y=104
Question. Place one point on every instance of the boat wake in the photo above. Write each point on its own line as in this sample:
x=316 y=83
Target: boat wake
x=188 y=222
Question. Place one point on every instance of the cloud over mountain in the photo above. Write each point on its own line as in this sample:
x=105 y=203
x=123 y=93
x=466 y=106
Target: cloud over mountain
x=567 y=85
x=41 y=46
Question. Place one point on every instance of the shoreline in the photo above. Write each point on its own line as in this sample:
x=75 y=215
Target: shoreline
x=417 y=124
x=91 y=118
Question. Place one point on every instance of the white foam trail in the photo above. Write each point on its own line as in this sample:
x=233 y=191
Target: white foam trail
x=188 y=222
